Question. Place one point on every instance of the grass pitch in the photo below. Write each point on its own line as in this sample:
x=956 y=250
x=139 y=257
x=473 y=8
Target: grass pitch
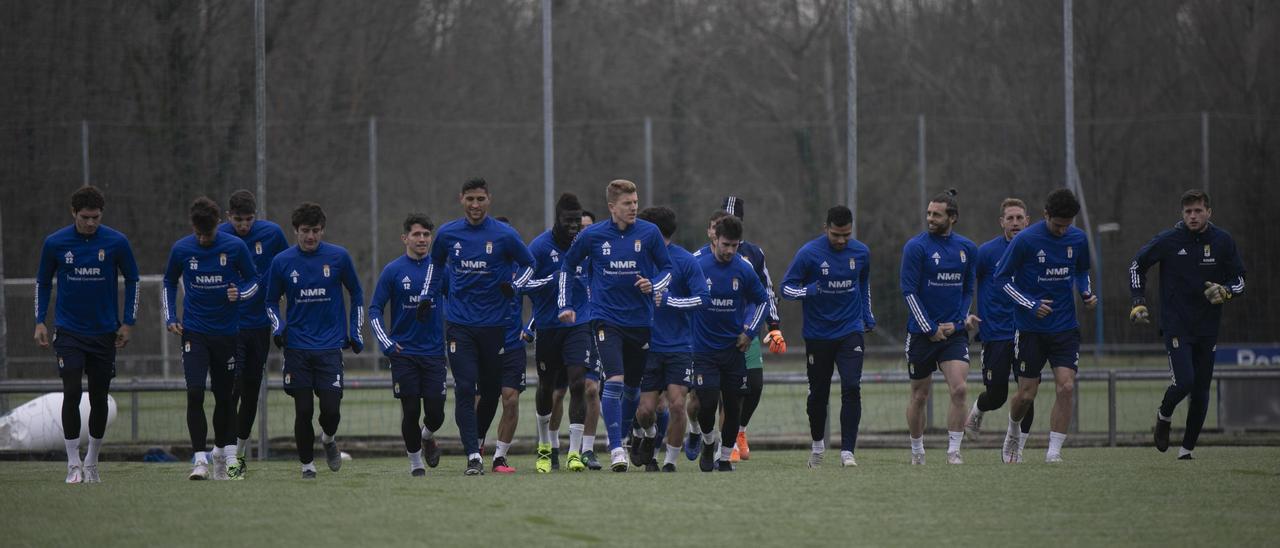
x=1099 y=496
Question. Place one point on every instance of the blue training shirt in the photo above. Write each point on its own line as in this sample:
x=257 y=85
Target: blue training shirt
x=400 y=286
x=834 y=287
x=617 y=258
x=546 y=259
x=1044 y=266
x=312 y=286
x=479 y=258
x=994 y=306
x=207 y=273
x=937 y=280
x=686 y=292
x=265 y=240
x=86 y=267
x=736 y=304
x=1188 y=260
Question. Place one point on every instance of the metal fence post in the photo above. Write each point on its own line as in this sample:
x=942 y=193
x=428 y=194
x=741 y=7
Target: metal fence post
x=164 y=335
x=264 y=437
x=1111 y=408
x=133 y=410
x=1075 y=405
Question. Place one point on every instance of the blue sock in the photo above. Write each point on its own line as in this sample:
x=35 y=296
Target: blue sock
x=664 y=417
x=611 y=410
x=630 y=401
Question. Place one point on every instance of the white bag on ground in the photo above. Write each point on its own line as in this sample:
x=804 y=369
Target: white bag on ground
x=37 y=424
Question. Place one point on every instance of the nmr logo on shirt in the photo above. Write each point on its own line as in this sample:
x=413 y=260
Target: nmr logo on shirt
x=311 y=292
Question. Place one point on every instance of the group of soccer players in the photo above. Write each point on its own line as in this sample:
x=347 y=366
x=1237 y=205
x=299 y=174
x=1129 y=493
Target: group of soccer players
x=636 y=330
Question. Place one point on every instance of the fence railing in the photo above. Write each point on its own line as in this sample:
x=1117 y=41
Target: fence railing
x=1113 y=380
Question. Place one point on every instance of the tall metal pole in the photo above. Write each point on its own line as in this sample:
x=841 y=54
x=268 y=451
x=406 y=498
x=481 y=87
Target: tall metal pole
x=1204 y=151
x=4 y=326
x=84 y=151
x=1073 y=174
x=851 y=152
x=648 y=162
x=373 y=202
x=548 y=132
x=260 y=100
x=920 y=163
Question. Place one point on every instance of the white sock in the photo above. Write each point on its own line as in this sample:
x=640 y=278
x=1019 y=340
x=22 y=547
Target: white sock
x=501 y=450
x=709 y=437
x=720 y=444
x=555 y=438
x=544 y=429
x=309 y=467
x=415 y=460
x=91 y=455
x=588 y=443
x=691 y=427
x=242 y=447
x=742 y=430
x=637 y=431
x=953 y=441
x=917 y=445
x=577 y=442
x=1161 y=416
x=325 y=438
x=474 y=456
x=230 y=451
x=1014 y=426
x=1055 y=443
x=672 y=451
x=216 y=453
x=1022 y=440
x=73 y=452
x=725 y=453
x=820 y=446
x=1182 y=452
x=201 y=457
x=427 y=434
x=651 y=431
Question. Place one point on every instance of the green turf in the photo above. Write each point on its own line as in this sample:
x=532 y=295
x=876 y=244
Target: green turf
x=1100 y=496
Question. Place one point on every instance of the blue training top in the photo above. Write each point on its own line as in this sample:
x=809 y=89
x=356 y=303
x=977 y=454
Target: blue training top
x=479 y=259
x=686 y=292
x=937 y=280
x=207 y=273
x=546 y=260
x=994 y=306
x=312 y=286
x=617 y=258
x=834 y=287
x=86 y=267
x=400 y=286
x=265 y=241
x=736 y=304
x=1044 y=266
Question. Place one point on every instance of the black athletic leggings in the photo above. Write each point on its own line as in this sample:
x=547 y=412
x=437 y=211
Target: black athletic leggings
x=224 y=419
x=994 y=397
x=248 y=387
x=71 y=394
x=709 y=400
x=755 y=387
x=577 y=386
x=432 y=418
x=304 y=408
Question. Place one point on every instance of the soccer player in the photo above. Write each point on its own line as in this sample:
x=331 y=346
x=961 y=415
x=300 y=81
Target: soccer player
x=669 y=364
x=265 y=240
x=995 y=312
x=736 y=206
x=514 y=365
x=480 y=253
x=1042 y=268
x=1200 y=270
x=86 y=257
x=415 y=349
x=216 y=272
x=937 y=281
x=628 y=262
x=563 y=351
x=831 y=276
x=311 y=277
x=721 y=334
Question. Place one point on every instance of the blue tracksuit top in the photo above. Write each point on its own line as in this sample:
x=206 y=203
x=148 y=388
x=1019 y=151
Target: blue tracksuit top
x=834 y=287
x=547 y=277
x=207 y=273
x=736 y=304
x=1038 y=265
x=312 y=286
x=994 y=306
x=937 y=280
x=400 y=286
x=479 y=258
x=265 y=240
x=86 y=267
x=617 y=258
x=1187 y=260
x=686 y=292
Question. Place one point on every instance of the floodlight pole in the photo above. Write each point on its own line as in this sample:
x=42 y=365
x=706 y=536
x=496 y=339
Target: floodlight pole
x=548 y=116
x=851 y=120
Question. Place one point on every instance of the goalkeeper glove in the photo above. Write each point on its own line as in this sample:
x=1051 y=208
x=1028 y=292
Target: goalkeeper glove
x=1139 y=314
x=1216 y=293
x=777 y=344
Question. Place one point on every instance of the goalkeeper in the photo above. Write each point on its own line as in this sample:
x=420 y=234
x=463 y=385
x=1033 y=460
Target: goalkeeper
x=1200 y=270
